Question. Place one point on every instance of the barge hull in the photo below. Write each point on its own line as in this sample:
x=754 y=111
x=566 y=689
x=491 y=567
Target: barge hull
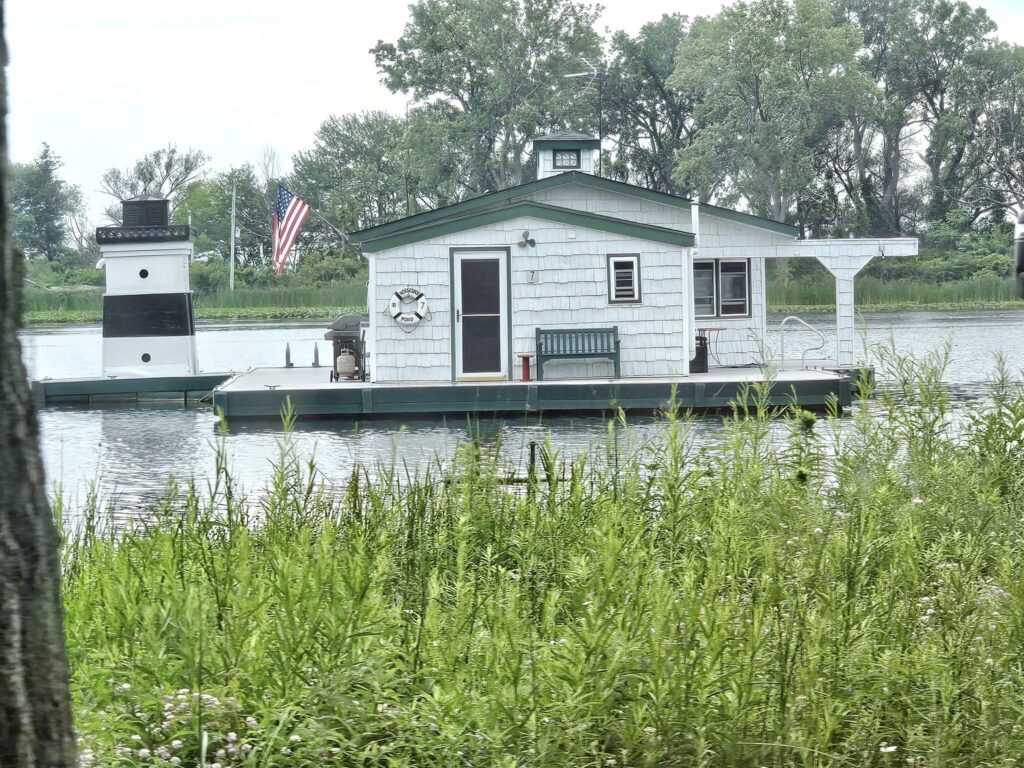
x=264 y=393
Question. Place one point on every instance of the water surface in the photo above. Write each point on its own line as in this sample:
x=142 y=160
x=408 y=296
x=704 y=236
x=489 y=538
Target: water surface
x=128 y=453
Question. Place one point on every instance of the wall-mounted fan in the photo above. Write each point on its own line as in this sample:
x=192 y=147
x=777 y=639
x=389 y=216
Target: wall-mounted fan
x=527 y=240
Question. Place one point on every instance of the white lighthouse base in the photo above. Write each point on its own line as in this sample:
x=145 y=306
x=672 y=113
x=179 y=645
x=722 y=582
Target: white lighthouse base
x=150 y=356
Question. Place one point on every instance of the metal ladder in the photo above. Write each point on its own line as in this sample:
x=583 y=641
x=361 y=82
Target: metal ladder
x=803 y=355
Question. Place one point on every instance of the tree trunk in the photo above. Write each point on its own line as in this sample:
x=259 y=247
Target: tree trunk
x=35 y=701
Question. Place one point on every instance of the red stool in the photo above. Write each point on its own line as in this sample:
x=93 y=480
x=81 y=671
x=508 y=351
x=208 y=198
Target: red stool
x=525 y=356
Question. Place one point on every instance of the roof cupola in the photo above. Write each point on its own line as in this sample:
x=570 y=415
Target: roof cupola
x=563 y=151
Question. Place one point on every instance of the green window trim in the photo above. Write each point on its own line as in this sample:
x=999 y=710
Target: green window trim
x=635 y=293
x=716 y=295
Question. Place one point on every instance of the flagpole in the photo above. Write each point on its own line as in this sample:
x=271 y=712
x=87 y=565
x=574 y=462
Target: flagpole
x=337 y=231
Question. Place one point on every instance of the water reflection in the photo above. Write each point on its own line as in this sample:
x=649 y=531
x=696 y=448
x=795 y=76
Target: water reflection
x=131 y=453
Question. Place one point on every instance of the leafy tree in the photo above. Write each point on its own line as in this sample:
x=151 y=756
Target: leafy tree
x=357 y=171
x=957 y=66
x=42 y=205
x=773 y=79
x=650 y=119
x=499 y=67
x=207 y=203
x=866 y=159
x=999 y=145
x=165 y=173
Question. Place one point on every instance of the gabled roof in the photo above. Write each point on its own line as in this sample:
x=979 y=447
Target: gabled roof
x=510 y=210
x=521 y=192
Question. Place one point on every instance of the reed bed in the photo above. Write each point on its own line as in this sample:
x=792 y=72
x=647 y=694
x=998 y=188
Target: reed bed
x=876 y=292
x=848 y=597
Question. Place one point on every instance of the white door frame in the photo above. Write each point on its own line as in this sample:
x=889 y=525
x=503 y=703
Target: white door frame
x=459 y=255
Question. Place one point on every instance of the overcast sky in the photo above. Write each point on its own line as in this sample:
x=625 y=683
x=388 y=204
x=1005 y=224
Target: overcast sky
x=105 y=81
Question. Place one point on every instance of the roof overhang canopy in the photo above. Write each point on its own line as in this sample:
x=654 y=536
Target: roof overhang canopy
x=372 y=240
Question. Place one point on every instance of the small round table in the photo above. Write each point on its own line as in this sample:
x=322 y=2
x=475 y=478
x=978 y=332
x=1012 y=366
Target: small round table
x=711 y=334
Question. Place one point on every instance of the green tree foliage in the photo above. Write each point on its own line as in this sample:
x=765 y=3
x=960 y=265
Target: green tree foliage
x=773 y=79
x=207 y=203
x=957 y=66
x=998 y=148
x=649 y=119
x=42 y=205
x=499 y=67
x=357 y=172
x=166 y=172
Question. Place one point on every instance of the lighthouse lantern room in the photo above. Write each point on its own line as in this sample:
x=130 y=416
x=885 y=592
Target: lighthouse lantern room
x=148 y=322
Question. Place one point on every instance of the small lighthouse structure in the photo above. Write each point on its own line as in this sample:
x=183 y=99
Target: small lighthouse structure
x=148 y=323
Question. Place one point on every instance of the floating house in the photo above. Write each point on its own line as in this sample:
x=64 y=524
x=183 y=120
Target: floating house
x=572 y=292
x=468 y=292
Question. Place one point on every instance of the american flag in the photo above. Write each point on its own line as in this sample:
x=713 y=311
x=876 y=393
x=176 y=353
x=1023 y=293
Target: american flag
x=290 y=213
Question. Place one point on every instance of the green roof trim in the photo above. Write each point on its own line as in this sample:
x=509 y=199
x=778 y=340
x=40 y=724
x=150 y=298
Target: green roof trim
x=528 y=208
x=554 y=143
x=521 y=192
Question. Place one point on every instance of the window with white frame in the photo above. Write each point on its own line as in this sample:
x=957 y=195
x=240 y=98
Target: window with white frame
x=566 y=159
x=624 y=279
x=721 y=288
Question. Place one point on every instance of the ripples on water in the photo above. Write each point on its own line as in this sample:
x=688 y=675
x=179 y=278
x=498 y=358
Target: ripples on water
x=129 y=454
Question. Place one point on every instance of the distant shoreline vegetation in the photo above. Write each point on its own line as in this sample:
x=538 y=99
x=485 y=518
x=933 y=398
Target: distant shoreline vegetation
x=70 y=307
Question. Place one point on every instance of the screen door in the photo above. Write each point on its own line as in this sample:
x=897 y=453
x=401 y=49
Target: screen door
x=481 y=325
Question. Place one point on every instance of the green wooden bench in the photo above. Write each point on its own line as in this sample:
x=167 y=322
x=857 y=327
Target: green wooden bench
x=576 y=343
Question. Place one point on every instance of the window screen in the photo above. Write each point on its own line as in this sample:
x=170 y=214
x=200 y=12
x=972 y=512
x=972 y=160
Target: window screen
x=732 y=284
x=624 y=278
x=704 y=288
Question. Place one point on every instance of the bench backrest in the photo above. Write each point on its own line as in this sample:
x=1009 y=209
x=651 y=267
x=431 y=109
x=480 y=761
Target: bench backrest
x=577 y=341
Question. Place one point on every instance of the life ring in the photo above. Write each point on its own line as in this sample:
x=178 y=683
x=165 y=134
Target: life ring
x=407 y=319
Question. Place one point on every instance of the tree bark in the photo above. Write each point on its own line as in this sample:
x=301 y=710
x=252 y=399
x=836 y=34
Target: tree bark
x=35 y=700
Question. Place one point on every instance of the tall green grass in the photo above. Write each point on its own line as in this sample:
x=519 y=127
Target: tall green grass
x=873 y=291
x=843 y=598
x=53 y=306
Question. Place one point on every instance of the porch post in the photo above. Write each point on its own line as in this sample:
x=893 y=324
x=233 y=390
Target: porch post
x=844 y=269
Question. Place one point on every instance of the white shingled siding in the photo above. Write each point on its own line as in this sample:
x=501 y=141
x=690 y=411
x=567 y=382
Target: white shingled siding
x=738 y=341
x=620 y=206
x=571 y=291
x=546 y=163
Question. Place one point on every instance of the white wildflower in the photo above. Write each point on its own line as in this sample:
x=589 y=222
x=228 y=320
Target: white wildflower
x=221 y=753
x=144 y=754
x=818 y=531
x=247 y=747
x=232 y=737
x=285 y=751
x=175 y=761
x=295 y=738
x=887 y=748
x=177 y=744
x=124 y=687
x=251 y=721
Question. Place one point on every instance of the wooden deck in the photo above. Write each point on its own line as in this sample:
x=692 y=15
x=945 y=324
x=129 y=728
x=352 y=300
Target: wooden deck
x=262 y=393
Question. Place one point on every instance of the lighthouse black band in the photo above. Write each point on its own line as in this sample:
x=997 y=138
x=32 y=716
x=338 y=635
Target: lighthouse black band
x=148 y=314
